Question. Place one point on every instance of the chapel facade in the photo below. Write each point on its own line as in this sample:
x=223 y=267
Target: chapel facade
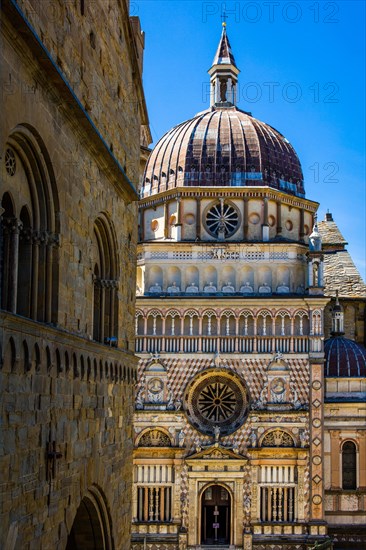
x=73 y=115
x=249 y=425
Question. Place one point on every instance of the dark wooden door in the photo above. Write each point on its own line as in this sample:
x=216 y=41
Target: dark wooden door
x=215 y=516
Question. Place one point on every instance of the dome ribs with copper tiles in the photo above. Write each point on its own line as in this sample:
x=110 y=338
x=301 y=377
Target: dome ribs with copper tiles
x=223 y=147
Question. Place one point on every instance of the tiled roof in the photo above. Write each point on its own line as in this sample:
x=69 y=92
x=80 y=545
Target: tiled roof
x=330 y=233
x=344 y=358
x=223 y=147
x=340 y=273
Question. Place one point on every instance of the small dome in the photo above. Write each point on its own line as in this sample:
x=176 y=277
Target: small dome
x=344 y=358
x=223 y=146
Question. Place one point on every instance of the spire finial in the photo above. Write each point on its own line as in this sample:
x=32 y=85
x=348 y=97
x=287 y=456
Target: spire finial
x=224 y=72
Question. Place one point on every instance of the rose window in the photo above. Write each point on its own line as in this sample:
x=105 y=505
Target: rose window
x=222 y=219
x=217 y=399
x=216 y=402
x=10 y=162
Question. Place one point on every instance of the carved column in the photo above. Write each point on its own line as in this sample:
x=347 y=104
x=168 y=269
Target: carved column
x=265 y=227
x=49 y=262
x=362 y=458
x=279 y=218
x=300 y=493
x=334 y=459
x=166 y=220
x=316 y=444
x=302 y=227
x=254 y=512
x=102 y=311
x=246 y=216
x=198 y=218
x=141 y=235
x=35 y=263
x=13 y=264
x=179 y=218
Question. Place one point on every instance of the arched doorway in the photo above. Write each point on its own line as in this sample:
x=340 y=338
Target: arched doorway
x=90 y=530
x=215 y=516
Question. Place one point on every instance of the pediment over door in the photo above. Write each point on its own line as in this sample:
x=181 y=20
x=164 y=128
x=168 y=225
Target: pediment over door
x=218 y=455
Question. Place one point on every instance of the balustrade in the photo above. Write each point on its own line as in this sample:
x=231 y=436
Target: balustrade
x=154 y=504
x=221 y=344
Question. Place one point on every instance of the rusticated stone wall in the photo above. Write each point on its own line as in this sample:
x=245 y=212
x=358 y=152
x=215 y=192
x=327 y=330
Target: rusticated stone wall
x=67 y=430
x=99 y=52
x=66 y=395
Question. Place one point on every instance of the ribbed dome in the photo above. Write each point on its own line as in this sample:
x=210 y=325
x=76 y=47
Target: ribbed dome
x=344 y=358
x=223 y=147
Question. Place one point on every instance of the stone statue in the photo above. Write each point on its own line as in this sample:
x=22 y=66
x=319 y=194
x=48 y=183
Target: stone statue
x=278 y=356
x=173 y=288
x=217 y=433
x=264 y=289
x=223 y=90
x=192 y=289
x=181 y=438
x=247 y=504
x=253 y=438
x=247 y=288
x=155 y=288
x=228 y=288
x=283 y=288
x=210 y=287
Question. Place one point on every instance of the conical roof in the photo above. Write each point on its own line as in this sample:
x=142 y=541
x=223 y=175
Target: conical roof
x=224 y=54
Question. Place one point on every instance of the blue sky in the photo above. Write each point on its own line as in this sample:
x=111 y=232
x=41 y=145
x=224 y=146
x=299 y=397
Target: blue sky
x=302 y=71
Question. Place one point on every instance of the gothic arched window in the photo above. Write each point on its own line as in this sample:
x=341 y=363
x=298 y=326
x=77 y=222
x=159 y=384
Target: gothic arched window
x=105 y=278
x=349 y=475
x=29 y=228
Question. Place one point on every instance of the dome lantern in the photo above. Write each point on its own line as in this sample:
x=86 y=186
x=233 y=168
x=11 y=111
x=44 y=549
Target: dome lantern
x=224 y=74
x=337 y=319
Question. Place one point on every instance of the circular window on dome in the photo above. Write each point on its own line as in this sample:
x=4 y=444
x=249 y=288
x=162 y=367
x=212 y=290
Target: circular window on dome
x=154 y=225
x=217 y=398
x=289 y=225
x=222 y=219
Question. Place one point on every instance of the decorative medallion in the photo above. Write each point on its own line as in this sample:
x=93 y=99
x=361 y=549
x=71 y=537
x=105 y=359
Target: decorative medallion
x=217 y=398
x=278 y=385
x=316 y=442
x=316 y=385
x=222 y=219
x=155 y=385
x=317 y=479
x=316 y=423
x=316 y=403
x=317 y=460
x=317 y=499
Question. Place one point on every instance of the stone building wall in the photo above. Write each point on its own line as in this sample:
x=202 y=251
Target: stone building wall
x=62 y=394
x=66 y=404
x=93 y=45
